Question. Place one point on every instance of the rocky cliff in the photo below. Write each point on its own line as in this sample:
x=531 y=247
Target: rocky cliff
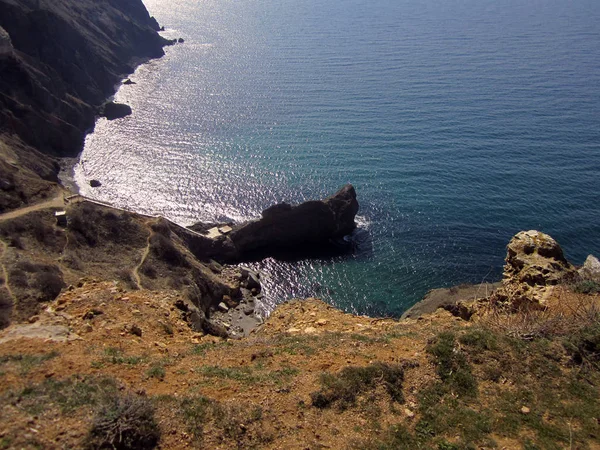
x=112 y=343
x=59 y=61
x=64 y=58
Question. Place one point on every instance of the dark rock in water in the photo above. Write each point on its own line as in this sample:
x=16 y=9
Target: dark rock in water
x=284 y=231
x=114 y=110
x=180 y=40
x=253 y=283
x=95 y=183
x=162 y=28
x=286 y=226
x=128 y=81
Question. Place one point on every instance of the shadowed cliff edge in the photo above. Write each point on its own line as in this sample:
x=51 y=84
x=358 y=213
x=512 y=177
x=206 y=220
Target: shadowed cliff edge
x=59 y=62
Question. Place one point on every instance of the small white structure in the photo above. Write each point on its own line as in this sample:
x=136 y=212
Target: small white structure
x=61 y=218
x=215 y=232
x=226 y=229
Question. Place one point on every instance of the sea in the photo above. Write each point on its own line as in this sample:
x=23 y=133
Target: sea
x=459 y=122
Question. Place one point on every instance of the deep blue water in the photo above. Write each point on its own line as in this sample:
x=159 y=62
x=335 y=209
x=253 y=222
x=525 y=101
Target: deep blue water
x=459 y=122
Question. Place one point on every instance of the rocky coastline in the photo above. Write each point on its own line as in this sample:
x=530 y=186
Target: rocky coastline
x=69 y=92
x=121 y=330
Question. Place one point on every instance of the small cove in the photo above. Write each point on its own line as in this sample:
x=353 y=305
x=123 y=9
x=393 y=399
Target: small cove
x=459 y=124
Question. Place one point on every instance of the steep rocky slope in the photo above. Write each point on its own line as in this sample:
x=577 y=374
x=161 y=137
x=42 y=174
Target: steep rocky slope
x=59 y=61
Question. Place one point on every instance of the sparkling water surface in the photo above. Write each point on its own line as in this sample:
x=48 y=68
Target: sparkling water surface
x=459 y=122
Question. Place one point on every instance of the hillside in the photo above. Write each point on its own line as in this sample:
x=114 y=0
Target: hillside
x=59 y=61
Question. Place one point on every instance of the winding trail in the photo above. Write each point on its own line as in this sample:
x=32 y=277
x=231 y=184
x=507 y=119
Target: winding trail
x=136 y=274
x=58 y=201
x=5 y=272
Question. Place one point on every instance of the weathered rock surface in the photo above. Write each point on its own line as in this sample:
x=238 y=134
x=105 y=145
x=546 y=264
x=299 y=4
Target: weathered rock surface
x=534 y=263
x=448 y=298
x=591 y=268
x=6 y=47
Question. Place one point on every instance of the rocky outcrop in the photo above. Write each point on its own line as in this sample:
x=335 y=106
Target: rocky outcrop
x=67 y=60
x=534 y=263
x=282 y=231
x=451 y=299
x=283 y=227
x=6 y=47
x=114 y=110
x=590 y=269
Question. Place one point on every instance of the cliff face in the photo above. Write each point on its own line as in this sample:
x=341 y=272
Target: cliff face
x=61 y=59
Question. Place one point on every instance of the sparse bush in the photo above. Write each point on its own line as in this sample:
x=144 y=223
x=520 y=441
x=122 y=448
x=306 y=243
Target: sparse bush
x=586 y=287
x=452 y=365
x=239 y=423
x=72 y=262
x=16 y=242
x=27 y=361
x=148 y=270
x=92 y=224
x=44 y=278
x=49 y=283
x=584 y=346
x=161 y=227
x=234 y=419
x=37 y=225
x=124 y=423
x=165 y=250
x=344 y=387
x=479 y=339
x=156 y=371
x=69 y=394
x=196 y=412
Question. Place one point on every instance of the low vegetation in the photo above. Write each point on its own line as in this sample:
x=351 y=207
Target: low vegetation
x=124 y=422
x=343 y=388
x=527 y=380
x=239 y=424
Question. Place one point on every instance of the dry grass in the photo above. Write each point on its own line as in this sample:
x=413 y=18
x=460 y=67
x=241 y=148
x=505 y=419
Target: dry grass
x=565 y=313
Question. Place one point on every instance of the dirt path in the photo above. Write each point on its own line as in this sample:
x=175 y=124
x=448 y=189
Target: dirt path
x=55 y=202
x=4 y=271
x=136 y=274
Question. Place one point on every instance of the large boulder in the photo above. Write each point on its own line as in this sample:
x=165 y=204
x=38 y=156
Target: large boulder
x=534 y=263
x=114 y=110
x=284 y=226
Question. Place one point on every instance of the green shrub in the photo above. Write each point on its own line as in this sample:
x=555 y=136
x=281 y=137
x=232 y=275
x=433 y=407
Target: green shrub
x=344 y=387
x=584 y=346
x=164 y=249
x=452 y=365
x=156 y=371
x=586 y=287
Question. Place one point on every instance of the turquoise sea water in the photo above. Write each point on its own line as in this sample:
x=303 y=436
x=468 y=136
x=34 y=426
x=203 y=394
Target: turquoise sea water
x=459 y=122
